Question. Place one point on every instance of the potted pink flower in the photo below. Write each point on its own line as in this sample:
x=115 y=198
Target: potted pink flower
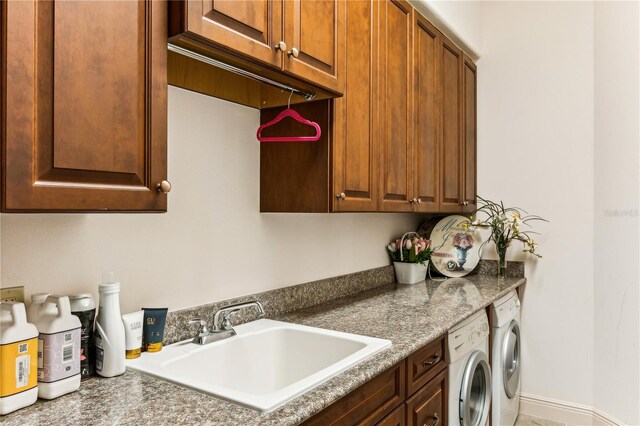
x=410 y=256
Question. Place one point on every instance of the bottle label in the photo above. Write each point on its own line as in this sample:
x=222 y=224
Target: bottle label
x=58 y=355
x=19 y=361
x=99 y=352
x=87 y=348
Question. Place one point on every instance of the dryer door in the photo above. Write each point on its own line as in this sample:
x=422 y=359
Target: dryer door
x=475 y=392
x=511 y=359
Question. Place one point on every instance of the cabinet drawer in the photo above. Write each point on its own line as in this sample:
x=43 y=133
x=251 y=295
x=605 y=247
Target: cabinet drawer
x=396 y=418
x=424 y=364
x=429 y=405
x=369 y=403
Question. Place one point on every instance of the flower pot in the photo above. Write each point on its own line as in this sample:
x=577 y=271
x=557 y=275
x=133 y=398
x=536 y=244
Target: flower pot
x=410 y=273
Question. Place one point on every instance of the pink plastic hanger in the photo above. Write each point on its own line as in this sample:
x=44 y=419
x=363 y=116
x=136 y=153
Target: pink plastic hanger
x=293 y=114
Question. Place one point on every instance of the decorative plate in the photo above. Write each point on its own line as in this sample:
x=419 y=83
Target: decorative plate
x=456 y=250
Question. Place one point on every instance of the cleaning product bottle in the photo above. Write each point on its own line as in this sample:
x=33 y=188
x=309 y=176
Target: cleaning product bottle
x=58 y=348
x=33 y=310
x=18 y=358
x=84 y=307
x=109 y=332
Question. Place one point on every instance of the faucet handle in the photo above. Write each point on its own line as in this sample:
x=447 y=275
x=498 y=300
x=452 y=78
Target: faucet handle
x=203 y=325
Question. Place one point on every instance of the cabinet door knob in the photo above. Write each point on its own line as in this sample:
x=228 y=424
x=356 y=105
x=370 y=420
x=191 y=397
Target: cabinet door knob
x=281 y=46
x=466 y=203
x=341 y=196
x=411 y=201
x=164 y=187
x=293 y=52
x=418 y=200
x=461 y=203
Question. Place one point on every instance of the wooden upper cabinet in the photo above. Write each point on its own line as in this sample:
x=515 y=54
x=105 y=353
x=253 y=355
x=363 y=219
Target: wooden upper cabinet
x=355 y=144
x=84 y=106
x=470 y=144
x=314 y=34
x=426 y=103
x=451 y=157
x=249 y=27
x=395 y=106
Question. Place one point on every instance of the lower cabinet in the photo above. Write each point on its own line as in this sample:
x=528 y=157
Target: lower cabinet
x=399 y=396
x=428 y=406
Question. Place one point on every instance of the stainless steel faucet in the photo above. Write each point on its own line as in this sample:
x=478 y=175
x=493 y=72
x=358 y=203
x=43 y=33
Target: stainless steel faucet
x=224 y=330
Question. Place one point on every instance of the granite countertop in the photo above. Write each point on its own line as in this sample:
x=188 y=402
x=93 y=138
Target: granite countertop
x=408 y=315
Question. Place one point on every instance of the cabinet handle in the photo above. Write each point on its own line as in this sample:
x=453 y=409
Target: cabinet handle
x=429 y=362
x=341 y=196
x=293 y=52
x=437 y=421
x=164 y=187
x=282 y=46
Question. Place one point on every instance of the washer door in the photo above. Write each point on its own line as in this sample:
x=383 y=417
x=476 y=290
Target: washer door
x=475 y=392
x=511 y=359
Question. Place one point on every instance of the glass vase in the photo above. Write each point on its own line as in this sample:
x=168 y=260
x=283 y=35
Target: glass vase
x=502 y=263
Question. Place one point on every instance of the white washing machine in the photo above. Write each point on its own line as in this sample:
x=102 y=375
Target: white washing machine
x=505 y=358
x=469 y=372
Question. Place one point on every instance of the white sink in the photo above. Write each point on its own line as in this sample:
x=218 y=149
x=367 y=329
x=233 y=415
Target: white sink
x=265 y=365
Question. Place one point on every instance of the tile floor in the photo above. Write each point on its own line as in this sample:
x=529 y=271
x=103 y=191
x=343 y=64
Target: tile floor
x=524 y=420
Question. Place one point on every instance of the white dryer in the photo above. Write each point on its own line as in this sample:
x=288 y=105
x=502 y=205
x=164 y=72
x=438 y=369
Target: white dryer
x=469 y=372
x=505 y=358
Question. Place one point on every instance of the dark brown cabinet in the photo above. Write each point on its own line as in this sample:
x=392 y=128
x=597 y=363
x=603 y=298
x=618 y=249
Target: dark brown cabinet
x=402 y=395
x=469 y=191
x=251 y=28
x=368 y=404
x=395 y=106
x=451 y=156
x=403 y=136
x=304 y=39
x=84 y=106
x=426 y=101
x=429 y=405
x=355 y=135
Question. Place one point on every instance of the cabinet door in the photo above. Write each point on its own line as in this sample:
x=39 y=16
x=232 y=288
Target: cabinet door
x=395 y=106
x=396 y=418
x=84 y=106
x=470 y=143
x=451 y=143
x=314 y=34
x=429 y=405
x=426 y=103
x=251 y=28
x=355 y=145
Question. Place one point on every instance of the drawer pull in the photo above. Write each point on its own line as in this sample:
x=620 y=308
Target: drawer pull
x=437 y=421
x=429 y=362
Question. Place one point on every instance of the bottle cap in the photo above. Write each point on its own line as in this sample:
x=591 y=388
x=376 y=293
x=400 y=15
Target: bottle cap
x=133 y=353
x=39 y=297
x=109 y=278
x=154 y=347
x=82 y=302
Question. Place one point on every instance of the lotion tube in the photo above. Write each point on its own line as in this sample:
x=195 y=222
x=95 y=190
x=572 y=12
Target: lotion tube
x=133 y=334
x=154 y=319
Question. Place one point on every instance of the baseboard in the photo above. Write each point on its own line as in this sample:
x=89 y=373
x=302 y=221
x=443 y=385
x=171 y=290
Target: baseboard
x=564 y=412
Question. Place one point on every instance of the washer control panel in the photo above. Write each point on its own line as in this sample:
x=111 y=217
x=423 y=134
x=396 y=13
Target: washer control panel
x=464 y=337
x=505 y=311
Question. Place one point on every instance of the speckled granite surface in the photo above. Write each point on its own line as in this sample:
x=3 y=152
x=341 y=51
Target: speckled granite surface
x=408 y=315
x=279 y=301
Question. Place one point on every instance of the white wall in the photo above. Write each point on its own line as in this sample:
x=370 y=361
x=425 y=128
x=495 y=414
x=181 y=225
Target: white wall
x=617 y=202
x=212 y=244
x=535 y=151
x=460 y=20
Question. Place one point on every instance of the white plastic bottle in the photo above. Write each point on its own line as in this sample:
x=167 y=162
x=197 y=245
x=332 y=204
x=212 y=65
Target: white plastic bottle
x=33 y=310
x=109 y=332
x=58 y=348
x=18 y=358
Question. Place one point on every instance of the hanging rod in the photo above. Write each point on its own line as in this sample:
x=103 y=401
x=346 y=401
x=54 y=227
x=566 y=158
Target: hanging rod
x=207 y=60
